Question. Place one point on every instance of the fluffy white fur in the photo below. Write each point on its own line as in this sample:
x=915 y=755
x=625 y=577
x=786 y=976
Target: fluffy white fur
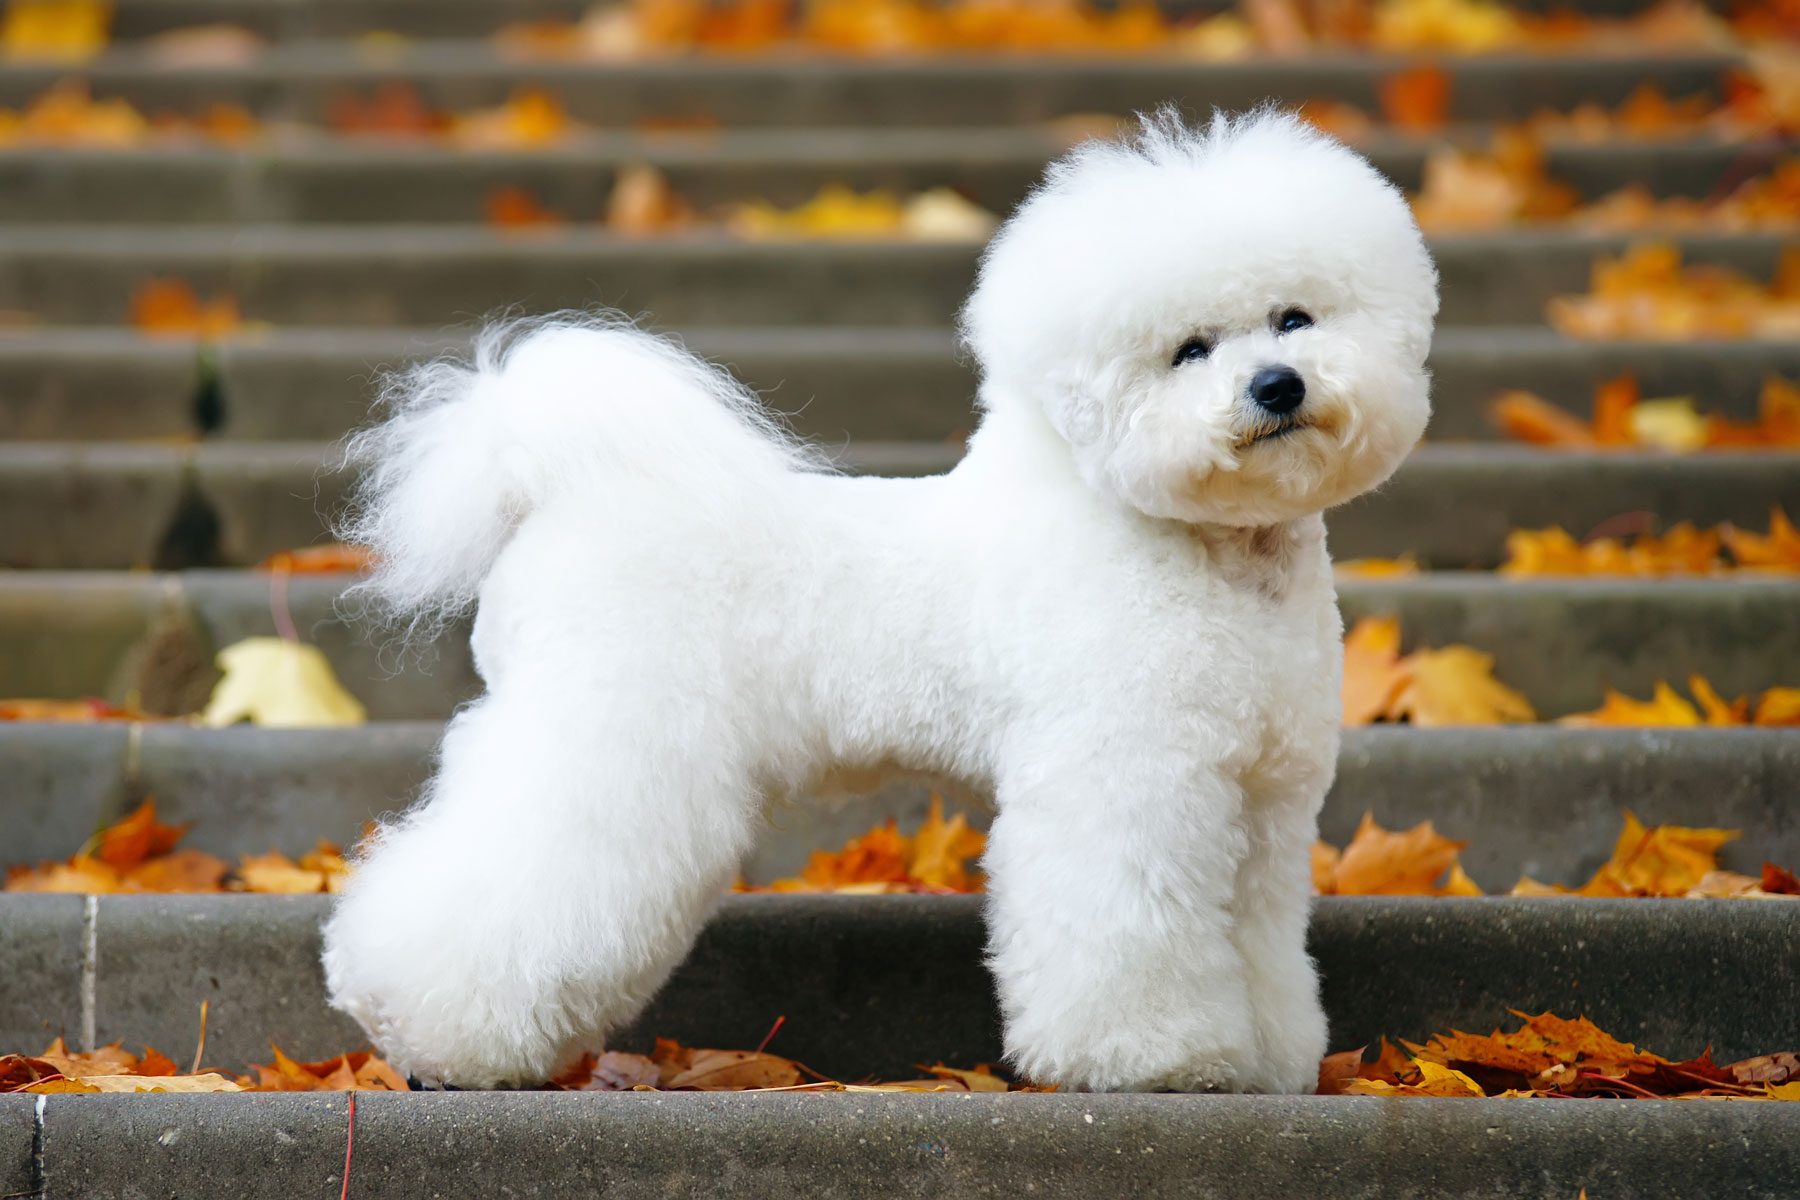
x=1116 y=614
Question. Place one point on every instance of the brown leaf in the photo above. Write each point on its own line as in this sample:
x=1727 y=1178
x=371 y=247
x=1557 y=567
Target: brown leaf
x=1417 y=100
x=1337 y=1070
x=136 y=837
x=731 y=1071
x=1766 y=1068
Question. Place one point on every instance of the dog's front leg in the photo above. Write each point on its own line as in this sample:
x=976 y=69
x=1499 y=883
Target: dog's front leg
x=1112 y=879
x=1274 y=902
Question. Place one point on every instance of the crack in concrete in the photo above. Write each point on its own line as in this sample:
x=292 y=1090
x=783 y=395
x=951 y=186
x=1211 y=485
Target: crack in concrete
x=90 y=969
x=37 y=1145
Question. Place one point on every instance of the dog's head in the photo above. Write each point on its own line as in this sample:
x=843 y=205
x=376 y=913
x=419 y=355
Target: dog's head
x=1226 y=324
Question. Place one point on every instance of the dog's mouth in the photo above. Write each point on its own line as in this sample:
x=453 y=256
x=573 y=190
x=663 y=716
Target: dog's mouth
x=1273 y=433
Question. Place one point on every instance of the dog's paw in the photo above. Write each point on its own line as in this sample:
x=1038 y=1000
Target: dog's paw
x=1135 y=1053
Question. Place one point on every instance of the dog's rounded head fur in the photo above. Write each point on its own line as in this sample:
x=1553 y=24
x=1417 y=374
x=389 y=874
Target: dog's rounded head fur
x=1141 y=288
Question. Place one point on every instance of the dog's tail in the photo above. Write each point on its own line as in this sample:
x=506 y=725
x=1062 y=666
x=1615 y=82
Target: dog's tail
x=469 y=449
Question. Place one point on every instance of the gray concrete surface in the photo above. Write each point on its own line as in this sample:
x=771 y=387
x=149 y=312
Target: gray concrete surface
x=868 y=383
x=314 y=180
x=1560 y=642
x=42 y=952
x=421 y=275
x=1064 y=1147
x=254 y=960
x=1544 y=802
x=88 y=506
x=875 y=985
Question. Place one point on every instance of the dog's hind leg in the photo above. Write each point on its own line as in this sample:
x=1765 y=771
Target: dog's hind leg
x=558 y=869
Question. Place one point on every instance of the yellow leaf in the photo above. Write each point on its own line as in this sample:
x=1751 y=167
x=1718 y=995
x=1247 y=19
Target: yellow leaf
x=1665 y=708
x=941 y=849
x=277 y=874
x=1779 y=706
x=1404 y=567
x=1664 y=860
x=54 y=30
x=208 y=1082
x=281 y=684
x=1779 y=549
x=1456 y=686
x=1668 y=424
x=941 y=215
x=1459 y=883
x=1784 y=1091
x=1373 y=675
x=1435 y=1080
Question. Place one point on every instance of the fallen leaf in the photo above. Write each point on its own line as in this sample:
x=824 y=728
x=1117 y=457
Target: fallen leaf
x=1434 y=1080
x=529 y=117
x=727 y=1071
x=216 y=45
x=1373 y=675
x=941 y=850
x=65 y=31
x=279 y=684
x=138 y=836
x=935 y=859
x=515 y=209
x=1336 y=1071
x=1404 y=567
x=1455 y=685
x=1666 y=707
x=1417 y=100
x=941 y=215
x=75 y=711
x=1648 y=293
x=360 y=1071
x=171 y=307
x=1552 y=1056
x=643 y=202
x=1378 y=862
x=326 y=559
x=1622 y=418
x=1778 y=550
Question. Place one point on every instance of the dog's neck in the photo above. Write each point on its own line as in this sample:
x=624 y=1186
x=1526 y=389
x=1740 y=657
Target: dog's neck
x=1263 y=558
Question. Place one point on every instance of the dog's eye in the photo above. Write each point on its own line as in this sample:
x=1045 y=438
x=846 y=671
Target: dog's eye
x=1291 y=320
x=1191 y=350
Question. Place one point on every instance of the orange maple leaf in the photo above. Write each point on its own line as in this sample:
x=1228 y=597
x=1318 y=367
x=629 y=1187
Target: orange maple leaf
x=1378 y=862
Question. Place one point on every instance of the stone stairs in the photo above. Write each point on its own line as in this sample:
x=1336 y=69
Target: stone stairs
x=142 y=478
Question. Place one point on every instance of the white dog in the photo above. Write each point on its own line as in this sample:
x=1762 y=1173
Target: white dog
x=1116 y=614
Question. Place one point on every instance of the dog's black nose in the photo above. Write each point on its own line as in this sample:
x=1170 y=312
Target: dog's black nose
x=1278 y=389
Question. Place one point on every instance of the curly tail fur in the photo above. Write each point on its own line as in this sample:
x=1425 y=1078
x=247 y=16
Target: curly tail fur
x=469 y=449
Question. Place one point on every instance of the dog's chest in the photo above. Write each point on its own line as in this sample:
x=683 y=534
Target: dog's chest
x=1270 y=616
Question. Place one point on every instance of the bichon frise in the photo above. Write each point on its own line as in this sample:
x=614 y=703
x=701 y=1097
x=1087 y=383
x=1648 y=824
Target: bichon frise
x=1116 y=614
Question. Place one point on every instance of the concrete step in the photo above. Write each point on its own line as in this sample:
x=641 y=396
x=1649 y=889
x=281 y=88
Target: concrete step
x=866 y=383
x=417 y=275
x=562 y=1145
x=86 y=506
x=300 y=81
x=350 y=181
x=1560 y=642
x=1538 y=801
x=875 y=985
